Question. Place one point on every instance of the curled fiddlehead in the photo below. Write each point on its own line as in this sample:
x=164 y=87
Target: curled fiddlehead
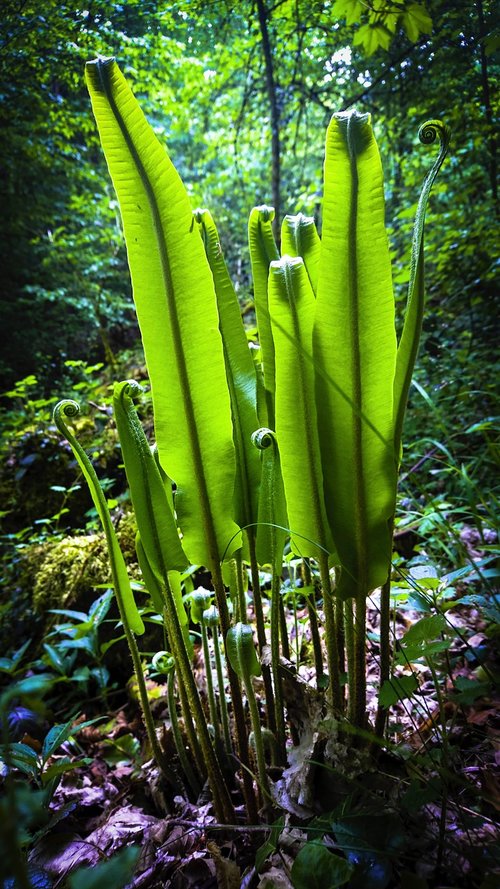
x=264 y=438
x=66 y=410
x=163 y=662
x=272 y=518
x=131 y=388
x=432 y=130
x=429 y=133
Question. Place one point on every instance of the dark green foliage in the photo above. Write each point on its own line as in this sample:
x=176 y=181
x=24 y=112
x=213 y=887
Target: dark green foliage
x=112 y=874
x=63 y=279
x=317 y=868
x=200 y=73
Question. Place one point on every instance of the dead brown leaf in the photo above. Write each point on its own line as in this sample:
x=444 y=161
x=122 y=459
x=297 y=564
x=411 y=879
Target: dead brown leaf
x=123 y=826
x=490 y=782
x=195 y=873
x=274 y=879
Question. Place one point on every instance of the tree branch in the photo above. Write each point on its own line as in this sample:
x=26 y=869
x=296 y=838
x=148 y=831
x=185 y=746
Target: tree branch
x=274 y=115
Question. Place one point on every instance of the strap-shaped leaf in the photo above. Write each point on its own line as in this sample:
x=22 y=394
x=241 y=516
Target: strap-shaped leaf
x=121 y=582
x=273 y=523
x=175 y=584
x=412 y=328
x=150 y=578
x=299 y=237
x=156 y=588
x=355 y=353
x=152 y=507
x=177 y=312
x=263 y=251
x=291 y=304
x=240 y=372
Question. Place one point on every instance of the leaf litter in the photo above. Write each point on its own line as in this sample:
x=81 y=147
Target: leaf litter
x=116 y=801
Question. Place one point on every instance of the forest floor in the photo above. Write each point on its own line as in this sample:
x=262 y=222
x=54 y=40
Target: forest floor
x=85 y=806
x=421 y=814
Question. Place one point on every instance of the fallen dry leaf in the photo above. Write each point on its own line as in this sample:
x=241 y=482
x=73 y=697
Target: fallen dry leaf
x=195 y=873
x=490 y=783
x=274 y=878
x=122 y=827
x=60 y=853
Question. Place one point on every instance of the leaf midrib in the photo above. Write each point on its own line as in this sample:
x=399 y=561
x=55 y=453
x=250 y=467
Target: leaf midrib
x=360 y=527
x=305 y=396
x=209 y=525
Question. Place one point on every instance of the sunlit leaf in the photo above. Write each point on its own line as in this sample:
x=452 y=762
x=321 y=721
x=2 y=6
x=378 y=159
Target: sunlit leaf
x=355 y=355
x=176 y=307
x=241 y=376
x=292 y=303
x=152 y=504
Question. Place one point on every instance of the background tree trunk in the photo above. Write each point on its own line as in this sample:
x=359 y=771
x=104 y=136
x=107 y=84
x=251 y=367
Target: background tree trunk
x=274 y=116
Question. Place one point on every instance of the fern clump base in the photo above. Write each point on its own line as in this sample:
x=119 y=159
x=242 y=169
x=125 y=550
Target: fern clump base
x=289 y=453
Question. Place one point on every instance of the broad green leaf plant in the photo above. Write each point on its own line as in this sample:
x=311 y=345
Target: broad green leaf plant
x=293 y=453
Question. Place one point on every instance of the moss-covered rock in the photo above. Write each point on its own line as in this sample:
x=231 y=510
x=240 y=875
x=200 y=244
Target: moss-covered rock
x=58 y=573
x=70 y=570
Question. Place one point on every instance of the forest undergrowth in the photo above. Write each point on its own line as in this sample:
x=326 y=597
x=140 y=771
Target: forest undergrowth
x=265 y=656
x=84 y=791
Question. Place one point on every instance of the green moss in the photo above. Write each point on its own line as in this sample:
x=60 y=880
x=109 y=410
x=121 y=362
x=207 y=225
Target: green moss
x=68 y=571
x=58 y=573
x=71 y=568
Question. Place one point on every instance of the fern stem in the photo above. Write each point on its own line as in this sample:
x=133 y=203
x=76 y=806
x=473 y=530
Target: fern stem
x=146 y=711
x=178 y=740
x=261 y=631
x=279 y=715
x=222 y=692
x=236 y=697
x=331 y=641
x=385 y=651
x=222 y=800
